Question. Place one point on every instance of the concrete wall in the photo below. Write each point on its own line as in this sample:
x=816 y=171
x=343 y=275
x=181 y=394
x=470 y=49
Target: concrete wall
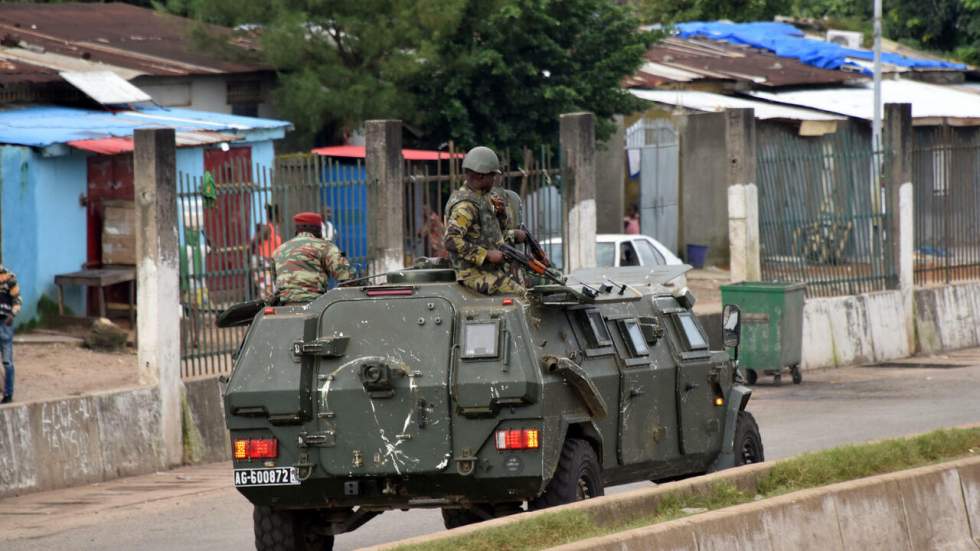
x=936 y=507
x=86 y=439
x=203 y=93
x=869 y=328
x=703 y=184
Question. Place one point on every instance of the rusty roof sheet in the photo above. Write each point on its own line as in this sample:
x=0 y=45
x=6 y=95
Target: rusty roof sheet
x=139 y=40
x=15 y=71
x=678 y=60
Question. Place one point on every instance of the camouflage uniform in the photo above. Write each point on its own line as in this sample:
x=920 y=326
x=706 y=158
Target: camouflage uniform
x=303 y=265
x=472 y=228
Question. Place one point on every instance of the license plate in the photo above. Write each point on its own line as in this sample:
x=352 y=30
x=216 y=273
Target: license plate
x=279 y=476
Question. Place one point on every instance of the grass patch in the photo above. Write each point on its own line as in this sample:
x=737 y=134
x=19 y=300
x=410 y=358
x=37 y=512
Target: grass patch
x=802 y=472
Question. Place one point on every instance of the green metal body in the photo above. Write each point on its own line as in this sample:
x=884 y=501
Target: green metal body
x=372 y=395
x=772 y=323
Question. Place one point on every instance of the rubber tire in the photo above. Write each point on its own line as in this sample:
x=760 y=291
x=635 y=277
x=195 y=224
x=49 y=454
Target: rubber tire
x=797 y=374
x=751 y=376
x=578 y=462
x=287 y=530
x=748 y=442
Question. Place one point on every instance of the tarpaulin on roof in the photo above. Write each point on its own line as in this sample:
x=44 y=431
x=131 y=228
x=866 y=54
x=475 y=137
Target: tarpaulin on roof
x=787 y=41
x=358 y=152
x=41 y=126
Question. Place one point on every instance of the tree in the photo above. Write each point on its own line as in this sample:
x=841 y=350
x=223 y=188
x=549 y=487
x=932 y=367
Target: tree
x=513 y=66
x=488 y=71
x=678 y=11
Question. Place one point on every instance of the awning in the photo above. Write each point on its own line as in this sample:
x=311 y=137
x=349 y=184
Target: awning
x=358 y=152
x=114 y=146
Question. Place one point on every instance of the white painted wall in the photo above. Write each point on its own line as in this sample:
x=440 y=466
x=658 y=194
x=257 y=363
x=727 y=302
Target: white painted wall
x=202 y=93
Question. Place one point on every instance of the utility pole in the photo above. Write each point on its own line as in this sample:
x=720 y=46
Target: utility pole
x=876 y=120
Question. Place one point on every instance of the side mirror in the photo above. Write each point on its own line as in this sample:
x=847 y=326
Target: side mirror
x=731 y=325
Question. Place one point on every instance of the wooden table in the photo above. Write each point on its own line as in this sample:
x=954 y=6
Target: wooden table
x=101 y=278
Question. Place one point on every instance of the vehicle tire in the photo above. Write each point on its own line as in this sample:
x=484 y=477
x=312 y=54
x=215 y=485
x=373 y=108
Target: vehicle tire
x=751 y=376
x=577 y=477
x=748 y=442
x=287 y=530
x=797 y=374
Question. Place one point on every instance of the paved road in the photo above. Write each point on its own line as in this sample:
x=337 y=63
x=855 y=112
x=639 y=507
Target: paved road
x=195 y=508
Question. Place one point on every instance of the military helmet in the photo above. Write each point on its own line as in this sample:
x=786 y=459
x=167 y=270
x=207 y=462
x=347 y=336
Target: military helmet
x=481 y=160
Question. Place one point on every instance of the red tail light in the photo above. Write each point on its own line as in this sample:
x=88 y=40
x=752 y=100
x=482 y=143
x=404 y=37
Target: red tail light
x=516 y=439
x=256 y=448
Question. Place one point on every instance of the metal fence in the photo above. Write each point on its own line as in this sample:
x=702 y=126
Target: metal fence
x=822 y=219
x=232 y=219
x=946 y=176
x=429 y=184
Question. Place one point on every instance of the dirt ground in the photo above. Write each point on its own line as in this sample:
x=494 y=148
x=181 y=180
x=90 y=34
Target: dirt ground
x=706 y=284
x=49 y=370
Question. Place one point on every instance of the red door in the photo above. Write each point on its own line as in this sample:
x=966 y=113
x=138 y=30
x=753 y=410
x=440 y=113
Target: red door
x=227 y=225
x=110 y=177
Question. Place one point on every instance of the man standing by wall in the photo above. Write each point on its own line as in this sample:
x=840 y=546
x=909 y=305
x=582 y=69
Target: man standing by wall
x=9 y=307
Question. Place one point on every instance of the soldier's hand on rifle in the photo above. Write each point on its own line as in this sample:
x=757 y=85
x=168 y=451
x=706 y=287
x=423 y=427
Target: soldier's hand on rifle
x=520 y=236
x=494 y=256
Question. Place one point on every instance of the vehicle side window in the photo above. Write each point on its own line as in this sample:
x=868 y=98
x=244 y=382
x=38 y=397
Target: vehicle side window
x=627 y=255
x=649 y=255
x=633 y=335
x=694 y=338
x=480 y=339
x=595 y=329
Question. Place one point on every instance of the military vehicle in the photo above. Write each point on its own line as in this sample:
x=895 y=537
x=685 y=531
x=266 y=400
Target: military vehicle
x=414 y=391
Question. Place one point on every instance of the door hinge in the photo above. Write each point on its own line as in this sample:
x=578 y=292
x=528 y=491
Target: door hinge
x=328 y=347
x=326 y=439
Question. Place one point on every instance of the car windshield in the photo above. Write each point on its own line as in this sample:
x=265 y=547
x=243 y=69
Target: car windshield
x=605 y=254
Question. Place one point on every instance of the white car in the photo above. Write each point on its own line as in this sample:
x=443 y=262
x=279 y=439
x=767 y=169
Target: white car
x=622 y=249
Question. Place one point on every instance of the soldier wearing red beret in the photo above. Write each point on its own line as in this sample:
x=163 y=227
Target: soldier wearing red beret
x=306 y=262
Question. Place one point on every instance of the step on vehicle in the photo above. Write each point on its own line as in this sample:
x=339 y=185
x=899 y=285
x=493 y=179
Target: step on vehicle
x=418 y=392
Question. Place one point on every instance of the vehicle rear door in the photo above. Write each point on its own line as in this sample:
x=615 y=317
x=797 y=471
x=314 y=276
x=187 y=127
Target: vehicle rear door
x=700 y=417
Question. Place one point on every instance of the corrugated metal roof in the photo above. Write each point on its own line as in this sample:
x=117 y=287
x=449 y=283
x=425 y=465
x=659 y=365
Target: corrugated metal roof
x=13 y=71
x=105 y=87
x=931 y=104
x=687 y=60
x=358 y=152
x=41 y=126
x=705 y=101
x=114 y=35
x=113 y=146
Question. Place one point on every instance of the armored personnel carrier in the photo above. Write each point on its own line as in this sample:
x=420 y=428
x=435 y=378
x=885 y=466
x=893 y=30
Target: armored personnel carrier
x=417 y=392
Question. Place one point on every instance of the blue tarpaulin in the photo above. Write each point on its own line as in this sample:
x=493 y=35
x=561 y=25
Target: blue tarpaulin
x=786 y=40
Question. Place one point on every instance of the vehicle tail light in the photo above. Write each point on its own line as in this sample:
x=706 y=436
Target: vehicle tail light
x=516 y=439
x=269 y=311
x=256 y=448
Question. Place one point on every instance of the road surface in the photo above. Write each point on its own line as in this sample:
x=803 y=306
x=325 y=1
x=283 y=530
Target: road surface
x=196 y=508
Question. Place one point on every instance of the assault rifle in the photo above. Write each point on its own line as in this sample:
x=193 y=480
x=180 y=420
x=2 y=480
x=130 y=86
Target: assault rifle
x=536 y=251
x=535 y=266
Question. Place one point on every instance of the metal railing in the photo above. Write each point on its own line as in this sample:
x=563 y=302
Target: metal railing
x=822 y=219
x=946 y=176
x=231 y=222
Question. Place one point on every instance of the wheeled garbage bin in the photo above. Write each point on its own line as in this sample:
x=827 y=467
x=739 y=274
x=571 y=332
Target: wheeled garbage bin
x=772 y=327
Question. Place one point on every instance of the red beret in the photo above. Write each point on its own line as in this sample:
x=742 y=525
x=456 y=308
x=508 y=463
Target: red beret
x=308 y=219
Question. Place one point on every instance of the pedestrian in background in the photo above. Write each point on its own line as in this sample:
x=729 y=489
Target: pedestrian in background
x=631 y=224
x=9 y=308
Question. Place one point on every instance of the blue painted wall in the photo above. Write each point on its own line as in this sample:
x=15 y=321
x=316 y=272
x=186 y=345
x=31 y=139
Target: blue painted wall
x=44 y=226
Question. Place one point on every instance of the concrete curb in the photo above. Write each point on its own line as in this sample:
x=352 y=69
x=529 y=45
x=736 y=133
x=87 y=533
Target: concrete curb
x=931 y=507
x=97 y=437
x=613 y=508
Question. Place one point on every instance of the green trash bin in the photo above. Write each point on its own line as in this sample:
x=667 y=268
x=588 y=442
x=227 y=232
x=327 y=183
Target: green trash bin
x=772 y=327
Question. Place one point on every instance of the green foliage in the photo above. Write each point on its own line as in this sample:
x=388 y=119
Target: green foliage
x=476 y=71
x=677 y=11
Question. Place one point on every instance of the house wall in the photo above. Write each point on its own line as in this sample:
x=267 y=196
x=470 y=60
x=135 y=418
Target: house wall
x=205 y=93
x=43 y=224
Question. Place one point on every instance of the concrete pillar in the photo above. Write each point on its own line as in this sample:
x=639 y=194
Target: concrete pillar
x=386 y=195
x=897 y=176
x=610 y=174
x=703 y=196
x=158 y=317
x=743 y=197
x=743 y=232
x=577 y=136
